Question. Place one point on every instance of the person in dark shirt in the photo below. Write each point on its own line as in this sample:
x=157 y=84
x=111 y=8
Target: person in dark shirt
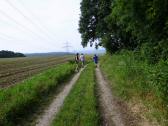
x=77 y=59
x=95 y=59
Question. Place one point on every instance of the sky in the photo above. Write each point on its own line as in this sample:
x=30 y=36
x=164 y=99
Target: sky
x=32 y=26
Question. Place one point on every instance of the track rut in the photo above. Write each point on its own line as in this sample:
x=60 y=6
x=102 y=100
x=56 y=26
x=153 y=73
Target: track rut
x=49 y=114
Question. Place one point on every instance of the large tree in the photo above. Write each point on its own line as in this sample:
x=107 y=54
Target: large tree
x=126 y=24
x=88 y=21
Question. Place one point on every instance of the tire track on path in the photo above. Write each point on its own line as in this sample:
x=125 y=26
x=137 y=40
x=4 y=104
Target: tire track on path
x=110 y=114
x=115 y=112
x=50 y=113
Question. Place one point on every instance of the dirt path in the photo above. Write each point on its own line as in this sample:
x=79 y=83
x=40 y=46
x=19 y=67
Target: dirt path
x=111 y=117
x=115 y=112
x=53 y=109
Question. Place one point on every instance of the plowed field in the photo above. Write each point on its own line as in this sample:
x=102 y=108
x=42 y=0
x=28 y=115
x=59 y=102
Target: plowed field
x=14 y=70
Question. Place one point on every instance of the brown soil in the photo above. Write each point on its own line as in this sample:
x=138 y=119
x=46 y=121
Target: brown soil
x=139 y=109
x=12 y=75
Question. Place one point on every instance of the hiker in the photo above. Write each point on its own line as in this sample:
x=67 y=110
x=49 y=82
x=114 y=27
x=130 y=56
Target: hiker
x=95 y=59
x=77 y=62
x=82 y=59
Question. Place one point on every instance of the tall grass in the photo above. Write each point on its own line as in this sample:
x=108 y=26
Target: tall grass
x=80 y=107
x=134 y=79
x=18 y=101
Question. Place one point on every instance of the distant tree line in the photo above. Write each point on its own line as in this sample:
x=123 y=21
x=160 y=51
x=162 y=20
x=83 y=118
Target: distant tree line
x=140 y=25
x=10 y=54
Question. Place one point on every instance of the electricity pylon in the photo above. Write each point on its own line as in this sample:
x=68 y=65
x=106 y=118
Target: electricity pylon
x=67 y=46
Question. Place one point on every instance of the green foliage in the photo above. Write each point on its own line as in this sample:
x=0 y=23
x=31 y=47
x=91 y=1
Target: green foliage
x=137 y=25
x=123 y=24
x=19 y=101
x=88 y=21
x=80 y=107
x=10 y=54
x=92 y=23
x=159 y=80
x=158 y=51
x=134 y=79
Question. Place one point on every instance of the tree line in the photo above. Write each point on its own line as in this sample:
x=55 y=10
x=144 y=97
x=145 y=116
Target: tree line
x=138 y=25
x=10 y=54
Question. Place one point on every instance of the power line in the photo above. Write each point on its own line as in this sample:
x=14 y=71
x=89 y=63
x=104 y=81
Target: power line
x=18 y=23
x=8 y=23
x=39 y=22
x=7 y=36
x=27 y=18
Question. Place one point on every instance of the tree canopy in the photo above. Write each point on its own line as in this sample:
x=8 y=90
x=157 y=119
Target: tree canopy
x=10 y=54
x=126 y=24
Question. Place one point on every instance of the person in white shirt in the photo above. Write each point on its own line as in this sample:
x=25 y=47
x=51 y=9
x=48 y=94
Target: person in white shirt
x=82 y=59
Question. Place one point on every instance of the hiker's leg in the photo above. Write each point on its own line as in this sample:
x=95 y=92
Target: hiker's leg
x=76 y=69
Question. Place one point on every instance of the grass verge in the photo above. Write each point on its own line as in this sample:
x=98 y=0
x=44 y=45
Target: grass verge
x=80 y=107
x=17 y=102
x=137 y=82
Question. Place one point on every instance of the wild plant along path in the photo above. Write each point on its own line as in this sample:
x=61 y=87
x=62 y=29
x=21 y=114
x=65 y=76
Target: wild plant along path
x=49 y=114
x=111 y=115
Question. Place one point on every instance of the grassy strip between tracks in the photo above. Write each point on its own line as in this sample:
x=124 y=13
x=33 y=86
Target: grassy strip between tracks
x=80 y=107
x=21 y=100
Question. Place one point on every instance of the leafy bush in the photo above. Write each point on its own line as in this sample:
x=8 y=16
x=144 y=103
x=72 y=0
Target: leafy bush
x=159 y=79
